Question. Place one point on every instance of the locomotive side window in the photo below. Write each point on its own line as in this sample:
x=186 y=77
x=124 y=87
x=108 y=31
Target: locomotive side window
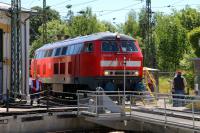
x=70 y=50
x=57 y=51
x=41 y=54
x=56 y=68
x=88 y=47
x=46 y=53
x=36 y=55
x=50 y=53
x=128 y=46
x=64 y=51
x=44 y=69
x=62 y=68
x=77 y=48
x=110 y=46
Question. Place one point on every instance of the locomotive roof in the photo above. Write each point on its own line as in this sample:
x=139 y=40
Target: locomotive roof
x=81 y=39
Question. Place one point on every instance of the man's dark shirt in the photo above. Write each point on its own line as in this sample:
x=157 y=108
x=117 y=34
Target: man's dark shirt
x=179 y=83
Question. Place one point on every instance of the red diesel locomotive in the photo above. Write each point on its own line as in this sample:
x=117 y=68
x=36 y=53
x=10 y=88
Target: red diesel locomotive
x=86 y=62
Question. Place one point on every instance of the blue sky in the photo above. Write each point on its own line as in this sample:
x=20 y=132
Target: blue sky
x=109 y=9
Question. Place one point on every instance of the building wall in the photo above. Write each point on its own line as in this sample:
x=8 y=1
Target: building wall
x=5 y=24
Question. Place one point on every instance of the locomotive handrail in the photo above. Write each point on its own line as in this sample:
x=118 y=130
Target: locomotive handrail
x=63 y=92
x=62 y=99
x=40 y=92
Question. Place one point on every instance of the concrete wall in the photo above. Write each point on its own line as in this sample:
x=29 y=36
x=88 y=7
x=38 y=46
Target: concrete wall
x=42 y=123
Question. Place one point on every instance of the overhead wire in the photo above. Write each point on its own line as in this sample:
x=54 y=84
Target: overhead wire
x=116 y=10
x=74 y=5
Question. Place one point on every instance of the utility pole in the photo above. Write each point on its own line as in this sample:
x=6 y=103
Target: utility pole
x=16 y=48
x=150 y=57
x=44 y=22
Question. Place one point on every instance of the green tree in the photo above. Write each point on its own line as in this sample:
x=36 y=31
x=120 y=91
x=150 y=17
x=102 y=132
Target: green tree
x=56 y=30
x=194 y=38
x=189 y=17
x=131 y=26
x=109 y=26
x=172 y=42
x=37 y=20
x=84 y=24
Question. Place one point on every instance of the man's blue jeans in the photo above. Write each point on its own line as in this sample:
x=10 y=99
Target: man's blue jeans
x=176 y=101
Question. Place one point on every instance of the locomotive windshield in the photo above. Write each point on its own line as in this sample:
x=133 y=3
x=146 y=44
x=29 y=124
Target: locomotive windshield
x=128 y=46
x=123 y=46
x=110 y=46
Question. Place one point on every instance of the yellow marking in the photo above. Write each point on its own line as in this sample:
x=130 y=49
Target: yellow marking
x=5 y=27
x=149 y=76
x=6 y=61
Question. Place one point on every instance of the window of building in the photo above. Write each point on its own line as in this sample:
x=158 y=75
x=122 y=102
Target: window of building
x=56 y=66
x=62 y=68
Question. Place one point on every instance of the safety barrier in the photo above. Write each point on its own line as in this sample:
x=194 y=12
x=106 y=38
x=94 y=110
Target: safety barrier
x=179 y=110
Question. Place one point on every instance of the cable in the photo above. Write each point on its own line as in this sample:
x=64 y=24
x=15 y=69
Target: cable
x=78 y=4
x=60 y=3
x=84 y=3
x=116 y=10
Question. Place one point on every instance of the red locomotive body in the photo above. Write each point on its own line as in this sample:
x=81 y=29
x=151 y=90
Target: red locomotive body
x=87 y=62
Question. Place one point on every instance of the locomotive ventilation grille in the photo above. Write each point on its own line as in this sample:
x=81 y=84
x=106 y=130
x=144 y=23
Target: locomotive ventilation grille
x=121 y=73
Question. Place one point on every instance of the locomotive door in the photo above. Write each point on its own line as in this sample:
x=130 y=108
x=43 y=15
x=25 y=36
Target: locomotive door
x=1 y=60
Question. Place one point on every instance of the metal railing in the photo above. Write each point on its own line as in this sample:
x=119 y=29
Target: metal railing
x=182 y=110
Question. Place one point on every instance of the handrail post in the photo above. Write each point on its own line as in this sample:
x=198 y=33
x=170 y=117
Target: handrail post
x=165 y=111
x=96 y=106
x=7 y=100
x=47 y=98
x=130 y=104
x=78 y=103
x=193 y=120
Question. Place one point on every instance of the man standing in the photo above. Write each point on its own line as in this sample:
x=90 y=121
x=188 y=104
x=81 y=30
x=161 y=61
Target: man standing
x=179 y=84
x=35 y=90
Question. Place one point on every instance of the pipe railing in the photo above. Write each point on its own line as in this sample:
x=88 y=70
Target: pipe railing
x=165 y=106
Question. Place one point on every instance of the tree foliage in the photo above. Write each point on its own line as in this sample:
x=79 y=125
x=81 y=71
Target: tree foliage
x=194 y=38
x=171 y=40
x=37 y=20
x=56 y=30
x=131 y=26
x=85 y=24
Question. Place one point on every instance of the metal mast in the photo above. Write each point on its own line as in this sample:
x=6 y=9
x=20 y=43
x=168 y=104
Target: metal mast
x=16 y=48
x=44 y=22
x=150 y=49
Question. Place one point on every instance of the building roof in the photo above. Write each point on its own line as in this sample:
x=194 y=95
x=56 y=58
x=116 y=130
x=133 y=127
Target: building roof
x=87 y=38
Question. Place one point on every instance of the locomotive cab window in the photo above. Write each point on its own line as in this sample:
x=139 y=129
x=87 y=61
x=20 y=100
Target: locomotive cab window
x=128 y=46
x=109 y=46
x=88 y=47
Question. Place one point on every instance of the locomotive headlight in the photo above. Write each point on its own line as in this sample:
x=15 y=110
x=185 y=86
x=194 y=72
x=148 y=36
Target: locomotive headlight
x=136 y=73
x=106 y=73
